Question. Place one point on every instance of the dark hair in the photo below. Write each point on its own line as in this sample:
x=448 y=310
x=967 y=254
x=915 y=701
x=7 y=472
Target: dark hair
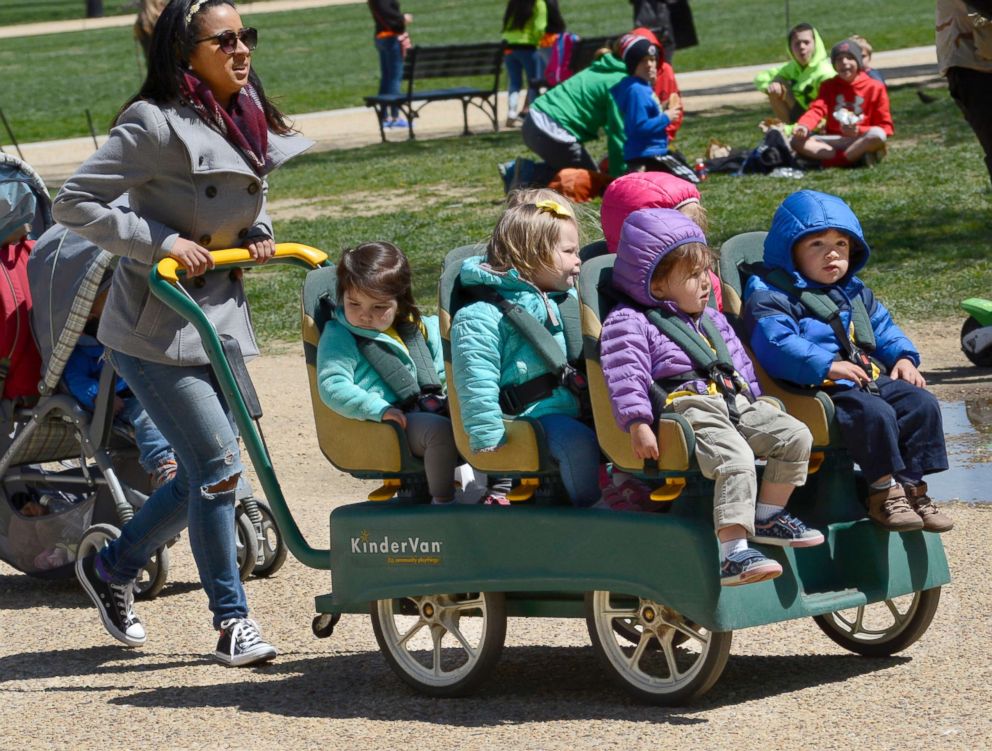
x=381 y=270
x=173 y=40
x=800 y=27
x=556 y=23
x=518 y=13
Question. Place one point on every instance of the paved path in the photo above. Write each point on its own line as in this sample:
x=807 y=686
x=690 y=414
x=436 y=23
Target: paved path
x=356 y=126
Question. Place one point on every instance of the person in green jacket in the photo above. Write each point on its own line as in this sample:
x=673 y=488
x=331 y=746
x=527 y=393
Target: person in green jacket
x=572 y=113
x=375 y=302
x=793 y=85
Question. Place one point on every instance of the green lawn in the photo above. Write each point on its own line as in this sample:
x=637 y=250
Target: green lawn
x=925 y=209
x=33 y=11
x=324 y=59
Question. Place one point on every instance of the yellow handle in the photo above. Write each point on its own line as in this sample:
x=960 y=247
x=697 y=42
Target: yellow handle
x=169 y=268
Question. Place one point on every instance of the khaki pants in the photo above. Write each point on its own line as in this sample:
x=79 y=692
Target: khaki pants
x=726 y=454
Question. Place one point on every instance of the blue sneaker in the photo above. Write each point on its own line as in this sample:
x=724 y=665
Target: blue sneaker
x=506 y=172
x=787 y=531
x=399 y=122
x=747 y=567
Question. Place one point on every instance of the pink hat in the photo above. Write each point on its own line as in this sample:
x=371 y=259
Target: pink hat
x=641 y=190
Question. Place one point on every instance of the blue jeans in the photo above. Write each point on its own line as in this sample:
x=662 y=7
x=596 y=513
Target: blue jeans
x=152 y=447
x=193 y=417
x=390 y=68
x=517 y=61
x=573 y=446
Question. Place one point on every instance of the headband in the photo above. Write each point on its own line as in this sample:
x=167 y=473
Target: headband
x=554 y=208
x=194 y=9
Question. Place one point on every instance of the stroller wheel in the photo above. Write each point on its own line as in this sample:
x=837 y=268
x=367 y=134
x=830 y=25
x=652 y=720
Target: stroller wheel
x=153 y=576
x=247 y=544
x=94 y=538
x=272 y=548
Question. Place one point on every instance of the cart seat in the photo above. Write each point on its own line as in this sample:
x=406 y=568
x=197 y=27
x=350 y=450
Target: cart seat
x=346 y=442
x=675 y=437
x=524 y=456
x=812 y=407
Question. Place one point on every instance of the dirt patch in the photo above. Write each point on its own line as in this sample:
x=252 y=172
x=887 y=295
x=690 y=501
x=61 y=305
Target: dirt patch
x=372 y=203
x=949 y=374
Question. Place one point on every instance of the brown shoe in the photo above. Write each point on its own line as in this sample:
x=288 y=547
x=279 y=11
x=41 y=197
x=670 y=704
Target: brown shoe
x=890 y=508
x=934 y=520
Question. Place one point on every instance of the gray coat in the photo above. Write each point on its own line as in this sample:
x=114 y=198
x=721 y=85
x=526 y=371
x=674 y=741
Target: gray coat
x=183 y=179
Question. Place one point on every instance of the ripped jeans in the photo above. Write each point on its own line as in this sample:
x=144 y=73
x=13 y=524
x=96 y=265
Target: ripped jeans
x=187 y=407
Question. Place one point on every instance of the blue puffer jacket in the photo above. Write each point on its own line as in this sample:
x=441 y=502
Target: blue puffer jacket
x=791 y=344
x=348 y=384
x=487 y=353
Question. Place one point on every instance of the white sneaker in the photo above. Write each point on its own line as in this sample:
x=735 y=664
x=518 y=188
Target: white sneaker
x=241 y=643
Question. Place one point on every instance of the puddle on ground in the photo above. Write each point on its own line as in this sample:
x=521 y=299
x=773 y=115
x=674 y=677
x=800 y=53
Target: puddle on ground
x=968 y=431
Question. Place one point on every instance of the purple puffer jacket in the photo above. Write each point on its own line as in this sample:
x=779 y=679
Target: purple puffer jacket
x=633 y=352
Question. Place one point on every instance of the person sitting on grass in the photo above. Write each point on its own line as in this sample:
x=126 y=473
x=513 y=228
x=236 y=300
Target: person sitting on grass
x=793 y=85
x=856 y=107
x=889 y=423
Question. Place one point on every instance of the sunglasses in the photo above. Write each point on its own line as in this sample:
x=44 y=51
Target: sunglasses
x=228 y=40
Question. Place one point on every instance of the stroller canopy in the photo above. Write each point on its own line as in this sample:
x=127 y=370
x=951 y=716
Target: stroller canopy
x=24 y=198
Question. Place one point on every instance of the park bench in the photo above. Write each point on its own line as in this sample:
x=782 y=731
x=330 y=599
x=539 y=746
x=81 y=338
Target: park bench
x=448 y=61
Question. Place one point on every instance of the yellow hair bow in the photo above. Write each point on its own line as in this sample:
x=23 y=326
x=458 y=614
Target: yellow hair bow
x=554 y=208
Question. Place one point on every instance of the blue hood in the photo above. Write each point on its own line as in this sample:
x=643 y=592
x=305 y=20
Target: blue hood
x=807 y=212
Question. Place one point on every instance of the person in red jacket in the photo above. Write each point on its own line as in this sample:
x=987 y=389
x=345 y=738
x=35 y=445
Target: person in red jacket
x=856 y=107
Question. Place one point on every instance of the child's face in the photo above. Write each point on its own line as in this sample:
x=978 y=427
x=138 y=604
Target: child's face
x=566 y=263
x=846 y=67
x=802 y=44
x=647 y=69
x=824 y=257
x=689 y=293
x=367 y=312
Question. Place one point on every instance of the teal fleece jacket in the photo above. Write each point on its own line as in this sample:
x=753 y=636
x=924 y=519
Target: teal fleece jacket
x=487 y=353
x=348 y=383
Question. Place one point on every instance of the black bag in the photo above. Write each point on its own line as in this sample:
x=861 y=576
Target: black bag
x=773 y=152
x=730 y=164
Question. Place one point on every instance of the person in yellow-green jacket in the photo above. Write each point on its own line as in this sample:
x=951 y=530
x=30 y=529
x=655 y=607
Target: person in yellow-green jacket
x=793 y=85
x=524 y=23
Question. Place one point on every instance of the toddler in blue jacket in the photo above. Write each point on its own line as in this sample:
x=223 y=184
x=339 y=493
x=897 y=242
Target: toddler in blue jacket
x=889 y=423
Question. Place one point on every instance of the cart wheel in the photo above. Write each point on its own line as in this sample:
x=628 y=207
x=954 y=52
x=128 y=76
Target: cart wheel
x=970 y=324
x=882 y=628
x=273 y=549
x=411 y=632
x=323 y=624
x=153 y=576
x=657 y=669
x=246 y=544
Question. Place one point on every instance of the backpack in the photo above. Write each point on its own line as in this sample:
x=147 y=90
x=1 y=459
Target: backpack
x=559 y=65
x=772 y=153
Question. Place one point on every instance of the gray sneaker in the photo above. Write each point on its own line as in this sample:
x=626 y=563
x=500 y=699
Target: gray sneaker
x=241 y=643
x=787 y=531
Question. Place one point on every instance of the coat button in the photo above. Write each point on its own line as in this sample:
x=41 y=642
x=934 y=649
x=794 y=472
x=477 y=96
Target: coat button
x=199 y=282
x=253 y=188
x=205 y=240
x=243 y=233
x=211 y=191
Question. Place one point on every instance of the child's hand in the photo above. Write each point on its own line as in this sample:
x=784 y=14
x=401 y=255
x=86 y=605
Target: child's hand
x=904 y=370
x=673 y=107
x=849 y=129
x=395 y=415
x=643 y=441
x=842 y=370
x=800 y=132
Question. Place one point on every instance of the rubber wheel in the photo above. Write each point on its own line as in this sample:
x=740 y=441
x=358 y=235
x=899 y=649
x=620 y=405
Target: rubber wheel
x=441 y=645
x=153 y=576
x=323 y=624
x=883 y=628
x=273 y=548
x=969 y=325
x=658 y=669
x=94 y=538
x=246 y=543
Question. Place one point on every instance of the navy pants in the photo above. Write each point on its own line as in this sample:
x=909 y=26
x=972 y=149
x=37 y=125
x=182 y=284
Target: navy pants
x=896 y=432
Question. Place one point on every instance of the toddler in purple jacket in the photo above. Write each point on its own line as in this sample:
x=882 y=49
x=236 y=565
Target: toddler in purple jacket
x=662 y=271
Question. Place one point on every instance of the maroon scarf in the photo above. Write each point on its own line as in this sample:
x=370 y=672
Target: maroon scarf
x=244 y=125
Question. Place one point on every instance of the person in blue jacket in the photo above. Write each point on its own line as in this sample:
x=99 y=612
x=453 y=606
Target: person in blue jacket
x=645 y=119
x=82 y=377
x=375 y=302
x=889 y=424
x=532 y=261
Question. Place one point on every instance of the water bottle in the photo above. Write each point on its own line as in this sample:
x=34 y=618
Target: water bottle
x=700 y=169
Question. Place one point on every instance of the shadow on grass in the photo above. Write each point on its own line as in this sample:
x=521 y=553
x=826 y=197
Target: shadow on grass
x=531 y=684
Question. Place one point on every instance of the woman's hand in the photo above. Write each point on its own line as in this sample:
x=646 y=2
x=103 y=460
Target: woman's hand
x=842 y=370
x=643 y=441
x=904 y=370
x=194 y=258
x=262 y=249
x=395 y=415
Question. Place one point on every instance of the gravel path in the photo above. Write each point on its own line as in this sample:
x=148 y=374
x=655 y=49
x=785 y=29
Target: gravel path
x=63 y=682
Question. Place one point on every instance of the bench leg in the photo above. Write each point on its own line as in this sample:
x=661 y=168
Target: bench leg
x=380 y=112
x=466 y=131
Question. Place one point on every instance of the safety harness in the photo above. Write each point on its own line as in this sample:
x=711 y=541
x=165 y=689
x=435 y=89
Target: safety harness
x=819 y=304
x=425 y=391
x=563 y=366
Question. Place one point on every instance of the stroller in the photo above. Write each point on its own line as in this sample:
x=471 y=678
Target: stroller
x=76 y=469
